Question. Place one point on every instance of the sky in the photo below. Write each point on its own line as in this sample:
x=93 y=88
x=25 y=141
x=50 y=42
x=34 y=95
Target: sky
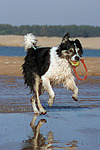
x=50 y=12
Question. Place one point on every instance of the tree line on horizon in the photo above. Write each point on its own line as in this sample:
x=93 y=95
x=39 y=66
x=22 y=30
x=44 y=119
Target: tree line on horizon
x=51 y=30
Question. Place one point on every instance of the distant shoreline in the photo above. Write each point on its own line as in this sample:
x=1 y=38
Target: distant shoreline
x=11 y=66
x=15 y=40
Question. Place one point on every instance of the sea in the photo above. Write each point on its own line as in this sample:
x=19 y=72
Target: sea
x=19 y=52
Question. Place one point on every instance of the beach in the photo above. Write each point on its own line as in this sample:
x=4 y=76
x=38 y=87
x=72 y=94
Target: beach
x=15 y=40
x=68 y=124
x=66 y=130
x=11 y=66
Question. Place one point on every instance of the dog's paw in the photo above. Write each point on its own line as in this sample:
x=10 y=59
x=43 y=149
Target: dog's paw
x=43 y=112
x=75 y=98
x=50 y=103
x=36 y=113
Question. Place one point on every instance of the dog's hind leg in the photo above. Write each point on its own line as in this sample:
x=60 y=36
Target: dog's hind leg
x=41 y=109
x=70 y=84
x=37 y=83
x=49 y=90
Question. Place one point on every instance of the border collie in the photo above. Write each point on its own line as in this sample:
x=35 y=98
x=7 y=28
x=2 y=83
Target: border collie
x=46 y=66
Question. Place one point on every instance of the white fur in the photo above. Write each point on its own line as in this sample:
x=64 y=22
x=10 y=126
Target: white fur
x=59 y=72
x=29 y=41
x=59 y=68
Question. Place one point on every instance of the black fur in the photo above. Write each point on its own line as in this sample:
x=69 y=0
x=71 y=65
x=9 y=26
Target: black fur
x=36 y=61
x=69 y=44
x=78 y=44
x=42 y=56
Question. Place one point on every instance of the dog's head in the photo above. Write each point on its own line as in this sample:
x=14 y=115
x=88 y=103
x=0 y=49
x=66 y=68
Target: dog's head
x=70 y=49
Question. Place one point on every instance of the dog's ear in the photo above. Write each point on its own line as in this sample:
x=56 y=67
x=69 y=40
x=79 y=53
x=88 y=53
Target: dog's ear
x=78 y=44
x=66 y=37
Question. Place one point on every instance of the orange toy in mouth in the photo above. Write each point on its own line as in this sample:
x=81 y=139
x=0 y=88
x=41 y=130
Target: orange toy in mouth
x=86 y=70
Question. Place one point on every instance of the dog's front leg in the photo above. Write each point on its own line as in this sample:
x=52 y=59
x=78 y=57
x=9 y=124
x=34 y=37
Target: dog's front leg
x=49 y=90
x=33 y=100
x=36 y=102
x=70 y=84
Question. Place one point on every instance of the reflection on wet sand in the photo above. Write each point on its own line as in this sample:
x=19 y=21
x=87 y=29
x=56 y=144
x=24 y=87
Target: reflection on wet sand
x=67 y=125
x=38 y=141
x=71 y=130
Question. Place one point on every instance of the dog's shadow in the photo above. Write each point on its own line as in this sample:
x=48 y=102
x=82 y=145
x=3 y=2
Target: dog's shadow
x=38 y=141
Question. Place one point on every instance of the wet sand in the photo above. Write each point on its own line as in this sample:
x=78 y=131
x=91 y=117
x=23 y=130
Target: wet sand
x=15 y=97
x=67 y=125
x=71 y=130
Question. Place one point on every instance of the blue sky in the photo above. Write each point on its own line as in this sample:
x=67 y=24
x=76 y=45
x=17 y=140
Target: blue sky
x=50 y=12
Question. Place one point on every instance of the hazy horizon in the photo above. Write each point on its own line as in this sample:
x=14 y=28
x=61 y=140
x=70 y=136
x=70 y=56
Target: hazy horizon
x=50 y=12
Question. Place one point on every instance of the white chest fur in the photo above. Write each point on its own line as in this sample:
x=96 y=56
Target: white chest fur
x=59 y=68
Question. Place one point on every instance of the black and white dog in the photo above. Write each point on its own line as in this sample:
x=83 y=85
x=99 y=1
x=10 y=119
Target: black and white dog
x=45 y=66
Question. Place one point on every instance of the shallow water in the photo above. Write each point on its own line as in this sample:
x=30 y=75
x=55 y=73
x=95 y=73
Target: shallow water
x=67 y=125
x=15 y=97
x=70 y=130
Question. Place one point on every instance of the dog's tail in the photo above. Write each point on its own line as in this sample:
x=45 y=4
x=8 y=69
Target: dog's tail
x=30 y=41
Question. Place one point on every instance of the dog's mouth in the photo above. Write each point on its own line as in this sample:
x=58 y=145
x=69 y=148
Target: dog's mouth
x=75 y=60
x=74 y=63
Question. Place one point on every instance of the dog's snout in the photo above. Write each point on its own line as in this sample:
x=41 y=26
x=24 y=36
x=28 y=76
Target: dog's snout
x=76 y=58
